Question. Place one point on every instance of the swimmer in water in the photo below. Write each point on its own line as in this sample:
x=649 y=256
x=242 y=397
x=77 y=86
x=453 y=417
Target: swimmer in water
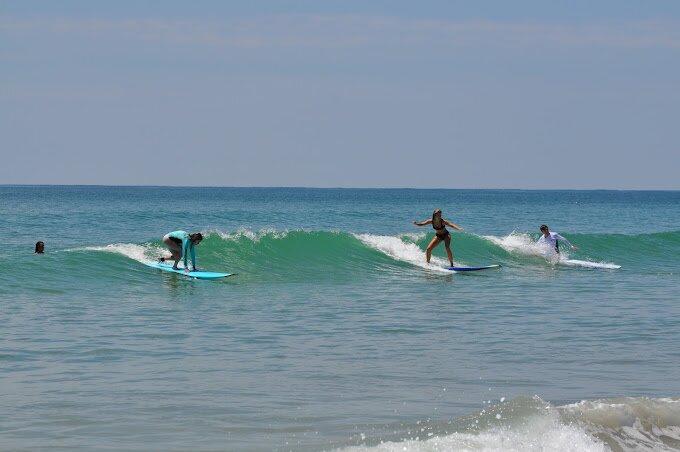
x=40 y=247
x=552 y=240
x=181 y=244
x=441 y=234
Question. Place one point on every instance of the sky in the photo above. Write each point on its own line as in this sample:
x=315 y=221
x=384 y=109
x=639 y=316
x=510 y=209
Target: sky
x=433 y=94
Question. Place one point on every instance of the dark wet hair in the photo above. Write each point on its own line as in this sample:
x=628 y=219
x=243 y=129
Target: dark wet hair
x=40 y=247
x=196 y=236
x=544 y=227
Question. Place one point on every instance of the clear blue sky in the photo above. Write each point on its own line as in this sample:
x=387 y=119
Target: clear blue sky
x=483 y=94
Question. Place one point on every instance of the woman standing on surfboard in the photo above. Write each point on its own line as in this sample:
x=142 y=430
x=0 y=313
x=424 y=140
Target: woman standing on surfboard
x=441 y=234
x=181 y=245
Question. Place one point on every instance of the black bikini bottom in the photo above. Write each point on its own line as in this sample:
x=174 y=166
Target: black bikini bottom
x=442 y=236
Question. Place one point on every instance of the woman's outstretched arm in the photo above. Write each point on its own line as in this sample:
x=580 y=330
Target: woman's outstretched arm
x=453 y=225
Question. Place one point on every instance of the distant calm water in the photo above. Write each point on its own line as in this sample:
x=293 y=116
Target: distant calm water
x=335 y=334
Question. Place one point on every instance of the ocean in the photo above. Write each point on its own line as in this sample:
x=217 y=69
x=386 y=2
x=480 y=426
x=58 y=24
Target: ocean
x=335 y=334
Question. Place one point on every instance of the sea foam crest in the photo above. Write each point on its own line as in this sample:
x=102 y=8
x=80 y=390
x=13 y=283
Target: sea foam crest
x=397 y=248
x=516 y=242
x=539 y=433
x=524 y=244
x=249 y=234
x=522 y=424
x=140 y=253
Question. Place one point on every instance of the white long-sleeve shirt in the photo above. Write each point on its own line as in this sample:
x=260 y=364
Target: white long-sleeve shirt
x=551 y=241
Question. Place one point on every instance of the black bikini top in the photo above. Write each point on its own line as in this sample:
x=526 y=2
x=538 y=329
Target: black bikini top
x=442 y=225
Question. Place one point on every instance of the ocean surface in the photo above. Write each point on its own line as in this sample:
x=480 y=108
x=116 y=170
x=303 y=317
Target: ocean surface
x=335 y=334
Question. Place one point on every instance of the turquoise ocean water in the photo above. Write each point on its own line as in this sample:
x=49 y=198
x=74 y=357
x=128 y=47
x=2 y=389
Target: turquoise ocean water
x=335 y=334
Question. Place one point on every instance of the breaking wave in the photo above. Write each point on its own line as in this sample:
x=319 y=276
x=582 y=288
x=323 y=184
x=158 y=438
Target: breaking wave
x=531 y=424
x=304 y=254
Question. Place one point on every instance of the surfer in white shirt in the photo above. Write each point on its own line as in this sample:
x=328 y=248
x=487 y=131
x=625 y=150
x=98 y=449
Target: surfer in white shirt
x=552 y=239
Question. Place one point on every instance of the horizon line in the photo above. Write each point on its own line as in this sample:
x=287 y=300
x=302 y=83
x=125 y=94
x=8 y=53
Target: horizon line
x=336 y=188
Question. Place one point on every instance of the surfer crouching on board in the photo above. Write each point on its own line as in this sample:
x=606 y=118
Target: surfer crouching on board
x=181 y=245
x=551 y=240
x=441 y=234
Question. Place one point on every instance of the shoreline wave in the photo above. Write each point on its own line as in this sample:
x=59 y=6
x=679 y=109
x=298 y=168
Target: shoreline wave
x=531 y=424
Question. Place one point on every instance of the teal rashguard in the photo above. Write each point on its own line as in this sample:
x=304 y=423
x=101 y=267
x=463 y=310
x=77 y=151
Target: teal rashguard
x=187 y=246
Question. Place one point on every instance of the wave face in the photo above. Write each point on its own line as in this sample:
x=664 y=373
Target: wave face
x=302 y=254
x=531 y=424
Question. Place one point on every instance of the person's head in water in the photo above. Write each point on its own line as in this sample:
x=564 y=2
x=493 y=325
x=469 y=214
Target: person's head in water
x=39 y=247
x=544 y=229
x=196 y=238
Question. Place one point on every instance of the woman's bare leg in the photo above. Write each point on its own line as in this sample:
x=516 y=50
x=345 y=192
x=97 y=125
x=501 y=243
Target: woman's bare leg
x=447 y=244
x=175 y=252
x=433 y=244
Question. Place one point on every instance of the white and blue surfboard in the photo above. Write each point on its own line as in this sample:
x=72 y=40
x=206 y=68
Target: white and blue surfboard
x=196 y=274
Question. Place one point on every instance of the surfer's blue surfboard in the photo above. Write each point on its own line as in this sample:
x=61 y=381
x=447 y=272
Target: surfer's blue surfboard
x=472 y=269
x=196 y=274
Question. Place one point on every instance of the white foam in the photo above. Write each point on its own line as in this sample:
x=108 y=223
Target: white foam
x=588 y=264
x=251 y=235
x=627 y=424
x=397 y=249
x=516 y=242
x=139 y=253
x=539 y=433
x=524 y=244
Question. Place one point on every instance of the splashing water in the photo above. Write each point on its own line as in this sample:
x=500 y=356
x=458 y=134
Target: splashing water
x=399 y=250
x=525 y=245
